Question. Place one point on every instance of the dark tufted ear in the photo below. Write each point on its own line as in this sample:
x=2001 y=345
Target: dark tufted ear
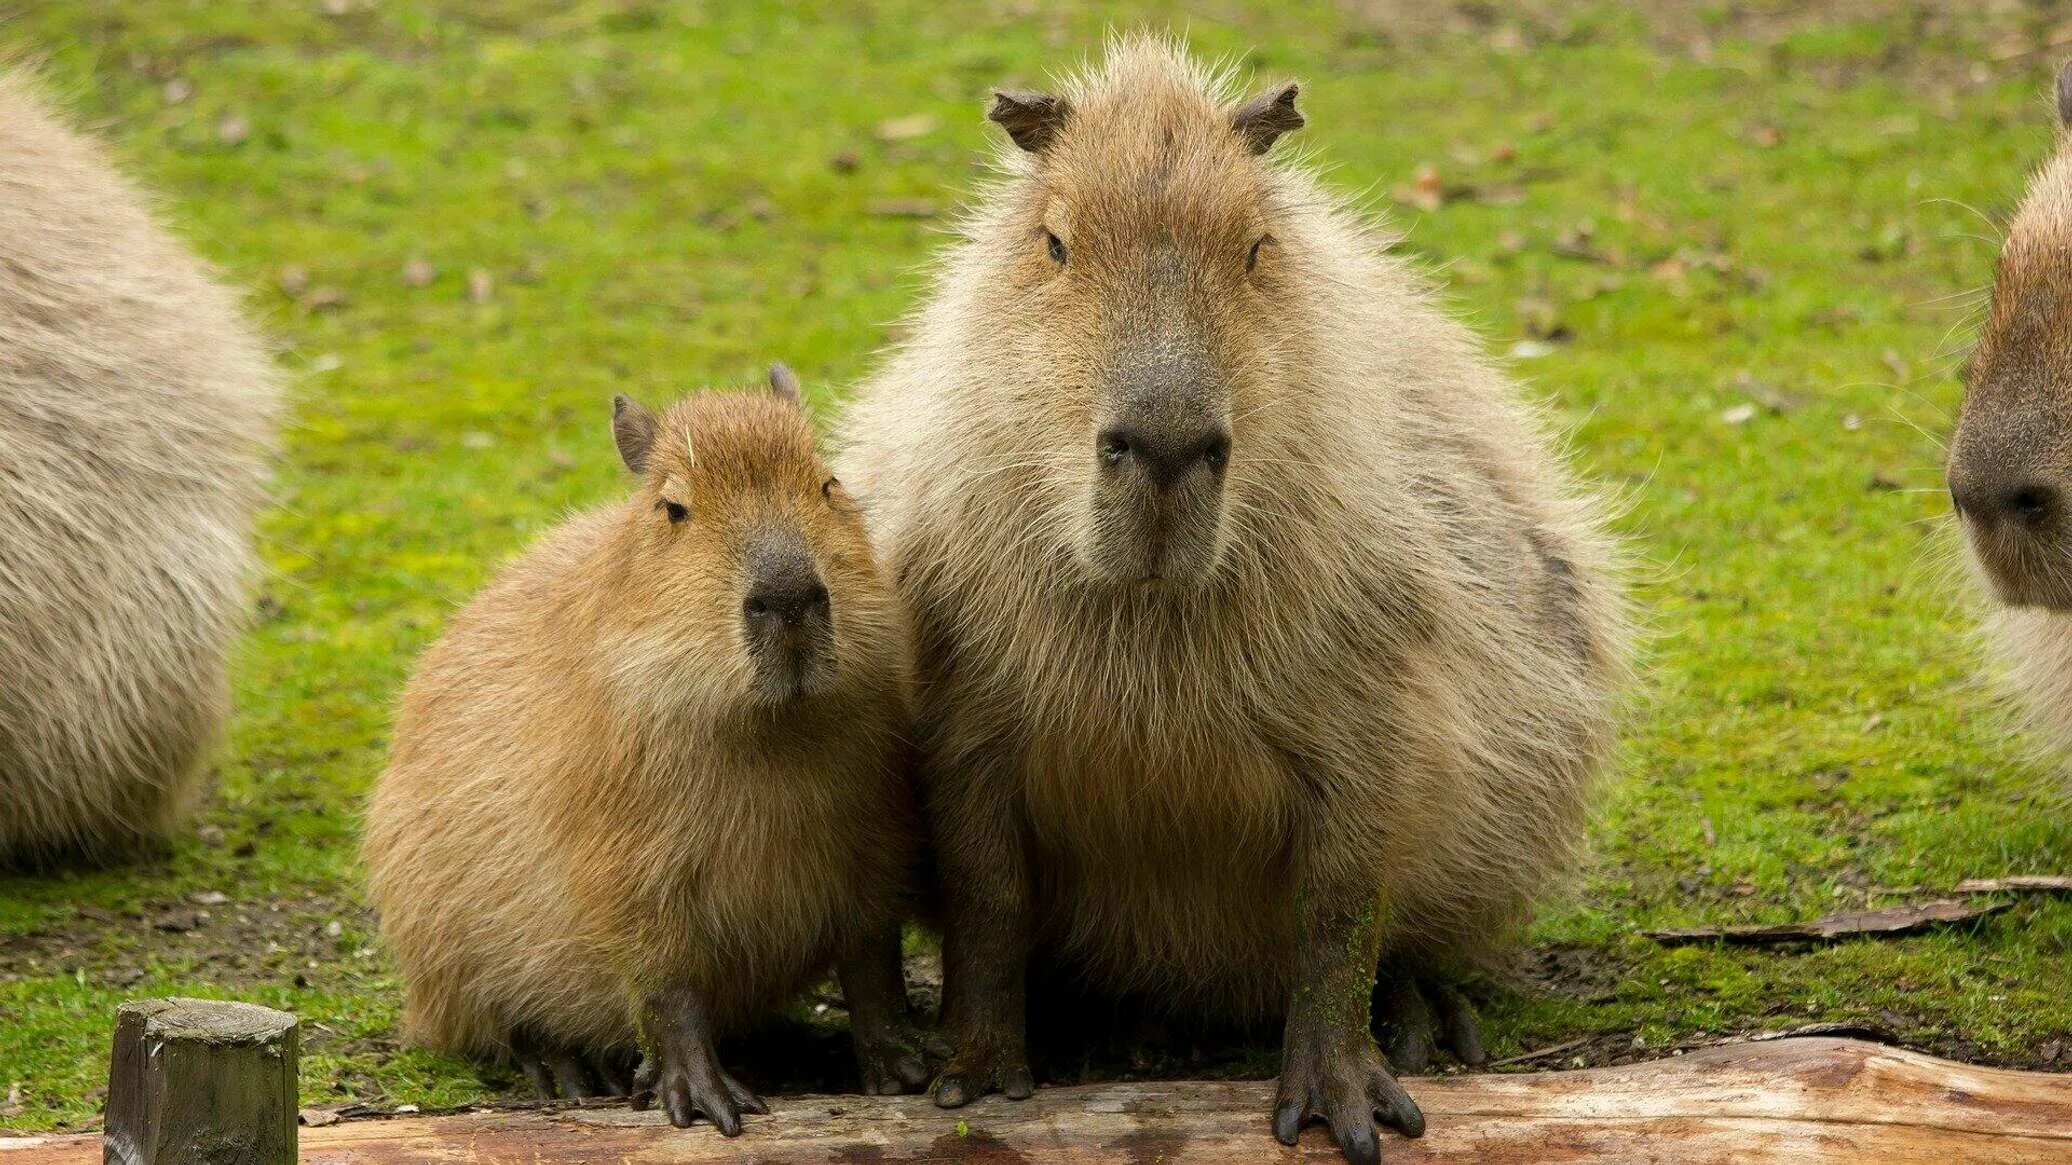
x=633 y=430
x=1033 y=120
x=784 y=383
x=2065 y=94
x=1262 y=120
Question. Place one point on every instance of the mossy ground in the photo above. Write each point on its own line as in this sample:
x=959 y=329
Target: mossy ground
x=1741 y=235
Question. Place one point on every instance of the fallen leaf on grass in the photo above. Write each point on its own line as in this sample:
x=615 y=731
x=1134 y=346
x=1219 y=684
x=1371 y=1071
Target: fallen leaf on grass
x=900 y=129
x=1426 y=191
x=2041 y=883
x=180 y=921
x=1893 y=920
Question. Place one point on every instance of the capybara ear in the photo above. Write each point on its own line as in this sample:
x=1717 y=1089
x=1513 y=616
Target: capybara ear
x=2065 y=94
x=633 y=429
x=1033 y=120
x=1262 y=120
x=784 y=383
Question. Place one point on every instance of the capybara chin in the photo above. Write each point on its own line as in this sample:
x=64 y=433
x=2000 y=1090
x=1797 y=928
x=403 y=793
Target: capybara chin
x=2010 y=462
x=136 y=421
x=1261 y=633
x=652 y=779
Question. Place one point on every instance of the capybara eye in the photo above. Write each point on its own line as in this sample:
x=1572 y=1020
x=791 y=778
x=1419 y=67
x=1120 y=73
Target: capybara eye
x=1252 y=260
x=1217 y=455
x=1057 y=247
x=827 y=488
x=677 y=513
x=1114 y=449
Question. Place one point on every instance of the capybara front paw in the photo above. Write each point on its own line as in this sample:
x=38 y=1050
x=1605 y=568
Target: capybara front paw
x=1343 y=1082
x=969 y=1076
x=687 y=1084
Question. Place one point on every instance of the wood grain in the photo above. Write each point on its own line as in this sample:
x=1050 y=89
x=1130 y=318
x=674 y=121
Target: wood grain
x=1801 y=1100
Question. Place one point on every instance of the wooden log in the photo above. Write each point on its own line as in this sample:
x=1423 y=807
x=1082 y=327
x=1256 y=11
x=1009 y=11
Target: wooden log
x=201 y=1082
x=1830 y=1101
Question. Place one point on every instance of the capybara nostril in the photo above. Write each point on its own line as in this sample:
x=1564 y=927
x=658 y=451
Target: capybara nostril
x=789 y=597
x=1166 y=455
x=2032 y=504
x=2026 y=505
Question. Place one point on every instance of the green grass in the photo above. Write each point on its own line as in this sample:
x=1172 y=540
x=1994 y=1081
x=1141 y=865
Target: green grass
x=652 y=191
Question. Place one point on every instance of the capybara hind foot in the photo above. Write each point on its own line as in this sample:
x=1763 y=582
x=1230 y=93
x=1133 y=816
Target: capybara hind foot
x=561 y=1073
x=981 y=1066
x=1415 y=1016
x=895 y=1060
x=893 y=1053
x=681 y=1071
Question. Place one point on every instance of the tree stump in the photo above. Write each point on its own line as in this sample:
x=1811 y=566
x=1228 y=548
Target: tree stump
x=201 y=1082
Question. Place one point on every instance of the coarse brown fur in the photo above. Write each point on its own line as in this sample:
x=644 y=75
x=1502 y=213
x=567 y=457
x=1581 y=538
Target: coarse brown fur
x=1261 y=633
x=2010 y=465
x=592 y=796
x=1413 y=598
x=136 y=420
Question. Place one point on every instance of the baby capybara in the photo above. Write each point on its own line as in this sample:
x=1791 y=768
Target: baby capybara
x=652 y=780
x=136 y=422
x=1262 y=637
x=2010 y=464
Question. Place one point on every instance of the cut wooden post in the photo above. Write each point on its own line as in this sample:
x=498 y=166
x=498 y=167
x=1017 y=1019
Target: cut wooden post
x=201 y=1082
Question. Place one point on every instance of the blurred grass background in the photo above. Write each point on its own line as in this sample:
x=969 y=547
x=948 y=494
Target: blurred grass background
x=1732 y=244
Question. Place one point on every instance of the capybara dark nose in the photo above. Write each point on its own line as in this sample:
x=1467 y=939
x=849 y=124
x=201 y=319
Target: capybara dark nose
x=1165 y=455
x=2024 y=505
x=789 y=599
x=784 y=586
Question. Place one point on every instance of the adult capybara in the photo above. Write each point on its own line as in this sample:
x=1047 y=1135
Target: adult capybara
x=653 y=778
x=2010 y=464
x=136 y=422
x=1262 y=636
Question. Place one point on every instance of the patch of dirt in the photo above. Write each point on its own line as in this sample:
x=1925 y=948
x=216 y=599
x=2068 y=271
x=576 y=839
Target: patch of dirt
x=230 y=943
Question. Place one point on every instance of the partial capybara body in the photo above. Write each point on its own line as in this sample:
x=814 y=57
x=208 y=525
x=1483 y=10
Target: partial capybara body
x=1261 y=632
x=136 y=421
x=652 y=779
x=2010 y=462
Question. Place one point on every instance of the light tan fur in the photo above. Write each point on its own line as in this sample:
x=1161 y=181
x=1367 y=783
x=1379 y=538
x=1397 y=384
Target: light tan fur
x=136 y=420
x=588 y=799
x=1403 y=656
